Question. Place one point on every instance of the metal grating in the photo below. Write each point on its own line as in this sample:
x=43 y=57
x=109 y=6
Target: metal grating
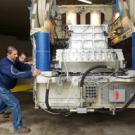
x=90 y=93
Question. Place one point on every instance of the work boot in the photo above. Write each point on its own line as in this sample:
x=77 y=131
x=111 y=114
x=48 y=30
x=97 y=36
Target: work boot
x=4 y=115
x=24 y=130
x=7 y=111
x=4 y=118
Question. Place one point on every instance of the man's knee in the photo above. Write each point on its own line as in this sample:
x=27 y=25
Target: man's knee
x=16 y=104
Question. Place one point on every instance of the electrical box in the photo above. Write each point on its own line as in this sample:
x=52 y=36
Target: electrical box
x=117 y=95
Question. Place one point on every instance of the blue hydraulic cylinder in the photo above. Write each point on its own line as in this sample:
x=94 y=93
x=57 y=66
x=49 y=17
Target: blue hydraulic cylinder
x=133 y=51
x=43 y=51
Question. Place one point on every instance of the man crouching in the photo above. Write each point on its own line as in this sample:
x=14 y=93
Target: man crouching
x=10 y=71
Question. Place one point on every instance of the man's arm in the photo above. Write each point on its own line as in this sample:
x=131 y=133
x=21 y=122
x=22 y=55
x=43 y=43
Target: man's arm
x=21 y=66
x=11 y=71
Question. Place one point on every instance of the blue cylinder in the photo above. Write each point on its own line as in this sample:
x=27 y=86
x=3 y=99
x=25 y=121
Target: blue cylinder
x=133 y=51
x=42 y=51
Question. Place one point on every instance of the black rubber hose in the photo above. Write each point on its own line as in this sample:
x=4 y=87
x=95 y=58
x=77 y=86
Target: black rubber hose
x=127 y=104
x=47 y=99
x=55 y=111
x=105 y=111
x=125 y=77
x=88 y=71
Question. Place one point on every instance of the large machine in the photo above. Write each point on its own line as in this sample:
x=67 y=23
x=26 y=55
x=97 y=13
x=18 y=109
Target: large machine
x=80 y=71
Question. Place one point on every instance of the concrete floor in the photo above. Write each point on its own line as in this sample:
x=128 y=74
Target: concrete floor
x=42 y=123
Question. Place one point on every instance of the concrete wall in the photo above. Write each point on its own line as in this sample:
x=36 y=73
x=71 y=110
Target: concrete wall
x=21 y=45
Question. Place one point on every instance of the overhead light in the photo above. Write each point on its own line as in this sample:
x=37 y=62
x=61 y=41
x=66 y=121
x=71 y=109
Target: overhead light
x=86 y=1
x=117 y=14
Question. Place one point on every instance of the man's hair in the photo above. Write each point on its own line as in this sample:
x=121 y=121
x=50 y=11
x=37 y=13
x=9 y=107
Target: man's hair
x=23 y=53
x=10 y=49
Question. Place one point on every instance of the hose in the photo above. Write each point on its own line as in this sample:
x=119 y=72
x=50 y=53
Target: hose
x=54 y=111
x=126 y=77
x=67 y=111
x=105 y=111
x=127 y=104
x=88 y=71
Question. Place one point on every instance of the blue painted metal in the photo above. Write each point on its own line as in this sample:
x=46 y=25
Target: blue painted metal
x=42 y=51
x=117 y=7
x=133 y=51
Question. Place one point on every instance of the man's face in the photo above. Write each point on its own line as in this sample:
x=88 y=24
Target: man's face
x=22 y=58
x=13 y=55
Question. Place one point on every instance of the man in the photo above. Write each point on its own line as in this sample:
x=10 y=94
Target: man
x=23 y=59
x=4 y=112
x=10 y=71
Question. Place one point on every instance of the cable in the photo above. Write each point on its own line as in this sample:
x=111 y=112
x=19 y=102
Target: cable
x=67 y=72
x=106 y=111
x=127 y=104
x=125 y=77
x=54 y=111
x=88 y=71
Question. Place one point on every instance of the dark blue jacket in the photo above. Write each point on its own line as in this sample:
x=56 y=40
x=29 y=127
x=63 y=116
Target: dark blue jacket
x=11 y=71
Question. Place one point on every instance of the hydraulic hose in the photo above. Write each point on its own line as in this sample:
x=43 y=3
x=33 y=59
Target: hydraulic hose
x=54 y=111
x=126 y=77
x=127 y=104
x=66 y=111
x=88 y=71
x=105 y=110
x=117 y=110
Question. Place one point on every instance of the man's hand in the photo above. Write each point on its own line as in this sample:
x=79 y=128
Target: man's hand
x=29 y=62
x=36 y=73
